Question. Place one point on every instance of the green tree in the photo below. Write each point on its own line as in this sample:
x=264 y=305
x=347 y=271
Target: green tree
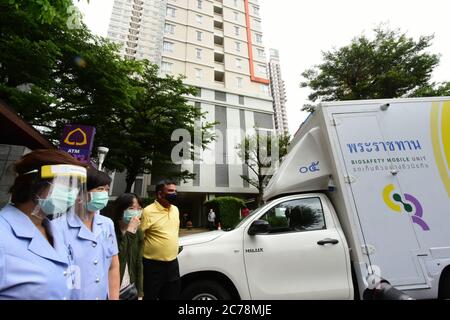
x=256 y=151
x=391 y=65
x=53 y=75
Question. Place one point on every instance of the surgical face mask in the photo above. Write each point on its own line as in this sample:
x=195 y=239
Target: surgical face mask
x=99 y=200
x=171 y=197
x=130 y=214
x=59 y=200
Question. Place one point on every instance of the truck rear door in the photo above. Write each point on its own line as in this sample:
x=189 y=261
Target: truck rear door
x=383 y=211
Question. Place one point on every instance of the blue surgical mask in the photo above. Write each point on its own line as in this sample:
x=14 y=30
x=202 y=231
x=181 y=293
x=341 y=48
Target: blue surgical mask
x=99 y=200
x=59 y=200
x=130 y=214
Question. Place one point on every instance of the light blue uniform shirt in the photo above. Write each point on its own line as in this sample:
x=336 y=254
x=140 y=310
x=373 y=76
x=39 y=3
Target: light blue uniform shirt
x=30 y=268
x=91 y=253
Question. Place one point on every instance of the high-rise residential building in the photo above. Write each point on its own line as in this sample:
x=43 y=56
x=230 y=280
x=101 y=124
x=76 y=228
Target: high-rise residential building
x=218 y=46
x=138 y=26
x=278 y=91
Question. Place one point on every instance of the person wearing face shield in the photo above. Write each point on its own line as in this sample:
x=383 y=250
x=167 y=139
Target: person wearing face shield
x=34 y=261
x=160 y=224
x=92 y=242
x=127 y=214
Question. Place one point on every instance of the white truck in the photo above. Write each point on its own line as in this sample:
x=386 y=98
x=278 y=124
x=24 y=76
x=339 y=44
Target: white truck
x=362 y=195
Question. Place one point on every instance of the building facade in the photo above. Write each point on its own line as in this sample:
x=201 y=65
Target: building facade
x=278 y=91
x=217 y=46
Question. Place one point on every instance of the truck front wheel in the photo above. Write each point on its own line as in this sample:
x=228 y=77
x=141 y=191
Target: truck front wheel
x=444 y=286
x=205 y=290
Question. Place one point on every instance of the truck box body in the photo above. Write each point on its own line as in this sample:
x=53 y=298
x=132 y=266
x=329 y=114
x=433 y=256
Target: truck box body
x=378 y=172
x=389 y=162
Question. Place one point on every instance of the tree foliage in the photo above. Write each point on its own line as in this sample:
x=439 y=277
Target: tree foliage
x=53 y=75
x=391 y=65
x=256 y=151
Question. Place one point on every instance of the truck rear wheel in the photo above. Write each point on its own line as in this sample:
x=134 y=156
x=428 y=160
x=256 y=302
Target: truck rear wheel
x=205 y=290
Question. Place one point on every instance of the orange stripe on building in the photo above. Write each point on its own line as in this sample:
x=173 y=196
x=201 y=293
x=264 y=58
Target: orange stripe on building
x=250 y=46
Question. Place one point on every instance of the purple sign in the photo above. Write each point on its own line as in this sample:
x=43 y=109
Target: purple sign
x=78 y=140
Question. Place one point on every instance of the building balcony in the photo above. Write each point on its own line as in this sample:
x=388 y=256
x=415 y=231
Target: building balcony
x=139 y=2
x=136 y=14
x=133 y=38
x=218 y=40
x=218 y=10
x=136 y=20
x=133 y=32
x=131 y=44
x=218 y=25
x=219 y=77
x=137 y=8
x=135 y=25
x=130 y=51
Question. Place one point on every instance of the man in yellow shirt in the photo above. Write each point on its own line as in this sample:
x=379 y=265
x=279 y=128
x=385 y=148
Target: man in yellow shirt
x=160 y=224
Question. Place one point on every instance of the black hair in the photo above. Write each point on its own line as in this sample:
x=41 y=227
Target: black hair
x=160 y=186
x=123 y=202
x=96 y=178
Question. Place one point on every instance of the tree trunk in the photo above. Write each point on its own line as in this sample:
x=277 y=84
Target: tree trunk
x=131 y=177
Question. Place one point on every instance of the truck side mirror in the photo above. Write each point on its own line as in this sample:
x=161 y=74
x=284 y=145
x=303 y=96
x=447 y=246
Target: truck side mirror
x=258 y=226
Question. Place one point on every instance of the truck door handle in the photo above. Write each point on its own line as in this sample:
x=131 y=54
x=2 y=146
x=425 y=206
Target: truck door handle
x=327 y=241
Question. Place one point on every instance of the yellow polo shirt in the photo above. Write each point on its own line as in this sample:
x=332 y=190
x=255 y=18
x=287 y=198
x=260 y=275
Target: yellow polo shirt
x=160 y=227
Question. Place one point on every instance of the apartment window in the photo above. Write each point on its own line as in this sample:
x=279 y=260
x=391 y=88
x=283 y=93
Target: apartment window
x=236 y=30
x=241 y=100
x=220 y=96
x=166 y=67
x=238 y=46
x=169 y=28
x=168 y=46
x=256 y=10
x=198 y=53
x=200 y=4
x=199 y=19
x=261 y=53
x=171 y=12
x=256 y=24
x=236 y=16
x=199 y=35
x=198 y=74
x=238 y=63
x=258 y=38
x=264 y=89
x=239 y=82
x=262 y=69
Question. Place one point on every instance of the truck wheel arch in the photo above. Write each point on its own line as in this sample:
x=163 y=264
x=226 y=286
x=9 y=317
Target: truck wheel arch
x=444 y=284
x=210 y=277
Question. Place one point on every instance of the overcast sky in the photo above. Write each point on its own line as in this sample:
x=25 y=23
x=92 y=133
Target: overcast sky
x=301 y=29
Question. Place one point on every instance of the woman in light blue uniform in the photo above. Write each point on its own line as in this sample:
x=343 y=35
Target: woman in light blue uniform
x=92 y=241
x=34 y=262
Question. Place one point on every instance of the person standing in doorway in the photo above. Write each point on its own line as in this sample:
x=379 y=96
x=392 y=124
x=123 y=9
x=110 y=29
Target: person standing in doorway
x=212 y=219
x=160 y=224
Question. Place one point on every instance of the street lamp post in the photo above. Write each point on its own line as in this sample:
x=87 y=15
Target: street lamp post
x=101 y=152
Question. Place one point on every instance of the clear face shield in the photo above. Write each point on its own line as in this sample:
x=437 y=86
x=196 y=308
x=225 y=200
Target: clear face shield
x=63 y=191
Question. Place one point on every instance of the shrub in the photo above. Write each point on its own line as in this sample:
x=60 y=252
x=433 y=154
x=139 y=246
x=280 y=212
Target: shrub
x=228 y=210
